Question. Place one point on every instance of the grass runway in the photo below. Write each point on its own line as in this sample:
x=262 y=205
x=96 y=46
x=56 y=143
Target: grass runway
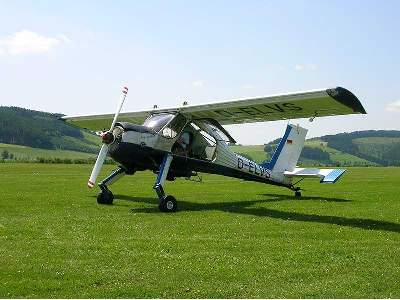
x=229 y=239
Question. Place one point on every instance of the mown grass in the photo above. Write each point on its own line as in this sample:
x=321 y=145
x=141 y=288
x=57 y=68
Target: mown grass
x=229 y=239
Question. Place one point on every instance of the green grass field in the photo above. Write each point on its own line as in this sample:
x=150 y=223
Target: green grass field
x=229 y=238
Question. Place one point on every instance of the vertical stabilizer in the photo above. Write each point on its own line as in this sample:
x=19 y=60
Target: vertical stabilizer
x=288 y=151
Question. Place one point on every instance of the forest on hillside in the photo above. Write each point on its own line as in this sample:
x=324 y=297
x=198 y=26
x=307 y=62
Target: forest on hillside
x=41 y=130
x=378 y=147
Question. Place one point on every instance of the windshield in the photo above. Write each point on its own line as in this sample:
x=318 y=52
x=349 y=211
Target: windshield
x=157 y=122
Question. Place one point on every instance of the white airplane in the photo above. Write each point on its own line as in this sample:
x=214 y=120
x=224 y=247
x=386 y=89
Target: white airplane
x=181 y=141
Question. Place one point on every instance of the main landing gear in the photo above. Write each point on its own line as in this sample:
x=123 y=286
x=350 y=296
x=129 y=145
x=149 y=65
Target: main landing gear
x=105 y=196
x=167 y=203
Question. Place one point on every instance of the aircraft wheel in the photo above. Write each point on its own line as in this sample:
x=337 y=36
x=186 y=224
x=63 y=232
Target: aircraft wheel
x=297 y=194
x=105 y=197
x=168 y=204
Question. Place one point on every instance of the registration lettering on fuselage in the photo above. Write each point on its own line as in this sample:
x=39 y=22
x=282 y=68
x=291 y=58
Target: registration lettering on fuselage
x=253 y=168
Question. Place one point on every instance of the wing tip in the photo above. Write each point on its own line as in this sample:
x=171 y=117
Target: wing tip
x=346 y=98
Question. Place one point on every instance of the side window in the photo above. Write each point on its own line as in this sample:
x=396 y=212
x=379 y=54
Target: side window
x=174 y=127
x=204 y=145
x=210 y=146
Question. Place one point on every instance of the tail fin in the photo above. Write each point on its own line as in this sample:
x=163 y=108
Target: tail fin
x=288 y=152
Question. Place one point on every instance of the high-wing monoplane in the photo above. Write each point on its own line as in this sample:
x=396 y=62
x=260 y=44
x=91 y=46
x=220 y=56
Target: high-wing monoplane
x=182 y=141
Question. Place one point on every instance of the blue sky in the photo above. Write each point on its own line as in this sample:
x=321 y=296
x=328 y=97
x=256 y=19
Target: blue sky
x=73 y=56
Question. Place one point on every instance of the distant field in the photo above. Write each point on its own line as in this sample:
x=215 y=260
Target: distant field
x=256 y=152
x=377 y=140
x=336 y=155
x=229 y=239
x=24 y=152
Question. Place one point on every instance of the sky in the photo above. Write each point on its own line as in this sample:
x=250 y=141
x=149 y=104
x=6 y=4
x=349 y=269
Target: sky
x=73 y=57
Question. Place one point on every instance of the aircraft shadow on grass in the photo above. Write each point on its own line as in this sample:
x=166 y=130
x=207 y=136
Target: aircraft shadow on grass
x=244 y=207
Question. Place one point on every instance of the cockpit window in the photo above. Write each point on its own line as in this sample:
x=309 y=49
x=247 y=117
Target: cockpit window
x=157 y=122
x=174 y=127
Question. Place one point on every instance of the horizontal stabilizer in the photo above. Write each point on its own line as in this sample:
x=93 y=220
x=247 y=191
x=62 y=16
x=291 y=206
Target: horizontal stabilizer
x=325 y=175
x=333 y=176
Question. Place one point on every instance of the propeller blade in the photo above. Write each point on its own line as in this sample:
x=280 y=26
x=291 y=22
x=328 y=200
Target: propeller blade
x=121 y=102
x=97 y=166
x=104 y=149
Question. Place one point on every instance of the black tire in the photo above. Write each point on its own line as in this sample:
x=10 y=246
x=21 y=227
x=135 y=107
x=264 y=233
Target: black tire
x=168 y=204
x=297 y=194
x=105 y=197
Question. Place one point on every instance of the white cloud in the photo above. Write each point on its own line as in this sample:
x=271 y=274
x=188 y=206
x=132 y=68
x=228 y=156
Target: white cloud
x=248 y=86
x=299 y=67
x=28 y=42
x=65 y=39
x=305 y=67
x=198 y=83
x=393 y=106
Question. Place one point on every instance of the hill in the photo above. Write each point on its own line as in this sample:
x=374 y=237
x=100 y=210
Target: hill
x=34 y=135
x=36 y=129
x=378 y=146
x=360 y=148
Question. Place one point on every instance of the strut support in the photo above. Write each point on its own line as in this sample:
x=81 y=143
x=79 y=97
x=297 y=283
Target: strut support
x=112 y=178
x=162 y=176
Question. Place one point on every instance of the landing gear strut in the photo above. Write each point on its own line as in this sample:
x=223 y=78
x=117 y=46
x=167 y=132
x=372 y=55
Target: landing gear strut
x=105 y=196
x=297 y=190
x=167 y=202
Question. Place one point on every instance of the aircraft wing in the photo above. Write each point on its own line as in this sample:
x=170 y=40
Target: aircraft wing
x=317 y=103
x=103 y=122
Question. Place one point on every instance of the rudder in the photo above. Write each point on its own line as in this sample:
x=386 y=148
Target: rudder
x=289 y=149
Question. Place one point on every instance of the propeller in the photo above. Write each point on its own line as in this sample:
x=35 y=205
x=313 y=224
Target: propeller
x=107 y=138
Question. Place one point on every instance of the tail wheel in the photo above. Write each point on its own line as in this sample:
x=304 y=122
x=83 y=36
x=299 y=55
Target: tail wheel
x=297 y=194
x=168 y=204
